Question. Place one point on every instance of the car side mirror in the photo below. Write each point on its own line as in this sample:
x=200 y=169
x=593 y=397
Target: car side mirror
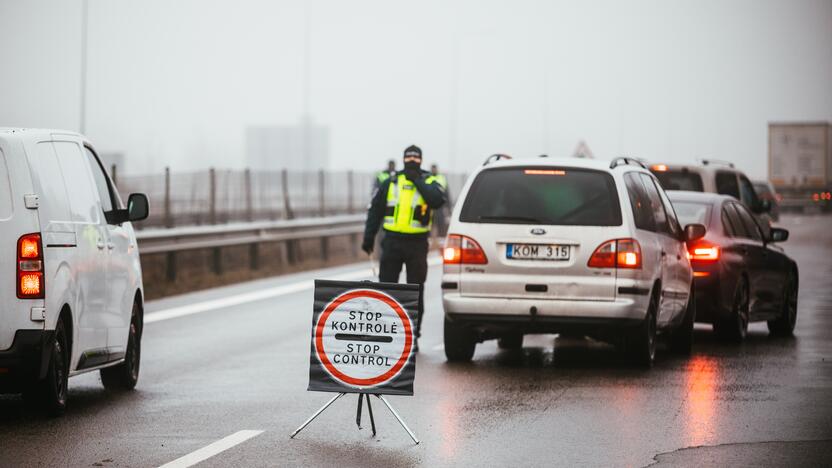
x=138 y=208
x=694 y=232
x=778 y=235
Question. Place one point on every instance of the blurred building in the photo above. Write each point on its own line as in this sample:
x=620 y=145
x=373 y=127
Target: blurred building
x=294 y=147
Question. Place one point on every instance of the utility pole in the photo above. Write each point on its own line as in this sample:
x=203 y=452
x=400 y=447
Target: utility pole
x=83 y=108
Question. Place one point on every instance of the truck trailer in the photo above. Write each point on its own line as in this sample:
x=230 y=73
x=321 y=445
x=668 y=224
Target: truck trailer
x=800 y=164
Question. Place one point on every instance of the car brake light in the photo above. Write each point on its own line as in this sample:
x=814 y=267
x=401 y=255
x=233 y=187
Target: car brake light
x=659 y=167
x=704 y=253
x=617 y=253
x=30 y=283
x=462 y=250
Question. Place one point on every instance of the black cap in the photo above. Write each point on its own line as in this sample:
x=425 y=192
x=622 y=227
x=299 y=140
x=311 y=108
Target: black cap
x=413 y=150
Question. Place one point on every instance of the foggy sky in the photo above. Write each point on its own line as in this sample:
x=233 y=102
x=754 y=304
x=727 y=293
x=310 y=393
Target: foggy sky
x=175 y=82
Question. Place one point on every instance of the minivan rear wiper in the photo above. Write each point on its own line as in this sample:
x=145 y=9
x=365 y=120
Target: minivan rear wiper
x=524 y=219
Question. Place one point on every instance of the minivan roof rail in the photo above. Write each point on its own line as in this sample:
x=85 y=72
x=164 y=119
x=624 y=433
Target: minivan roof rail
x=626 y=160
x=706 y=162
x=495 y=157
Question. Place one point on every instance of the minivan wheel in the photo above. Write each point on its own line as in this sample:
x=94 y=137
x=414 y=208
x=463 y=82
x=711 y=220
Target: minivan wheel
x=681 y=339
x=460 y=342
x=642 y=345
x=511 y=341
x=784 y=325
x=735 y=327
x=50 y=392
x=125 y=375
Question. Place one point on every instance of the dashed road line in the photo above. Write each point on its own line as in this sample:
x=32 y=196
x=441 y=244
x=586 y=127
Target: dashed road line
x=209 y=451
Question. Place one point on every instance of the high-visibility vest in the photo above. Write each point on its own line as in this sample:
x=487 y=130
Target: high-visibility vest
x=440 y=178
x=382 y=176
x=406 y=210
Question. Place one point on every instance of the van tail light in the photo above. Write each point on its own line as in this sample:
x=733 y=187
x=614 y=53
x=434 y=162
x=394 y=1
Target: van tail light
x=703 y=252
x=617 y=253
x=462 y=250
x=30 y=267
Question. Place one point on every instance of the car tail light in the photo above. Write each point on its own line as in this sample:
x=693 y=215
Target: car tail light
x=703 y=252
x=659 y=167
x=617 y=253
x=30 y=267
x=462 y=250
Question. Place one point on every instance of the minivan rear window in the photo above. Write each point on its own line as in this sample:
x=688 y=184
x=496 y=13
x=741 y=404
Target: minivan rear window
x=680 y=180
x=542 y=195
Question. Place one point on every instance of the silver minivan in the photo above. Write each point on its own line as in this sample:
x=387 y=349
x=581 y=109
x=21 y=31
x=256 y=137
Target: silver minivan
x=566 y=246
x=71 y=298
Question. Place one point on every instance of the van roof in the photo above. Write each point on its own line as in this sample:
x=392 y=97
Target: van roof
x=31 y=131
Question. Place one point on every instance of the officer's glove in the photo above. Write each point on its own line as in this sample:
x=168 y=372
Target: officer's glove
x=412 y=175
x=367 y=246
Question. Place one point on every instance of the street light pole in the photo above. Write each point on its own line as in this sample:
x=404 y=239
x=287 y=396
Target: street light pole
x=83 y=104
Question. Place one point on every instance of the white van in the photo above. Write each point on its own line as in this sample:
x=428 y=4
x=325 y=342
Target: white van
x=70 y=279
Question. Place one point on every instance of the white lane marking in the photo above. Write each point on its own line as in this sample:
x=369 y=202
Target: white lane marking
x=253 y=296
x=209 y=451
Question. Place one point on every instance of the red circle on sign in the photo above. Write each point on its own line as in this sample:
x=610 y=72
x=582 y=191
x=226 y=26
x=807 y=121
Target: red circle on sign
x=319 y=343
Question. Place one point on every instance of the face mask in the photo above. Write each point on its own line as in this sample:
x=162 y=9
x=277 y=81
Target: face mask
x=412 y=165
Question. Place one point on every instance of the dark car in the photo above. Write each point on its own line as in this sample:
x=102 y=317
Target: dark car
x=740 y=275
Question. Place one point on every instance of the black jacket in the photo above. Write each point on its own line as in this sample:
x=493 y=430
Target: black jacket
x=433 y=194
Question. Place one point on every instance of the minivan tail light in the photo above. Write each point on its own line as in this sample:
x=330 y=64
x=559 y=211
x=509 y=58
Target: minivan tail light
x=703 y=252
x=30 y=267
x=617 y=253
x=463 y=250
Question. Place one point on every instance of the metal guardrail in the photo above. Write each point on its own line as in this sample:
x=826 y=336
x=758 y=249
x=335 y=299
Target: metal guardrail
x=160 y=240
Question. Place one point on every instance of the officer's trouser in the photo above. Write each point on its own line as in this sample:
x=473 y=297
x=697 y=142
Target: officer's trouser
x=413 y=253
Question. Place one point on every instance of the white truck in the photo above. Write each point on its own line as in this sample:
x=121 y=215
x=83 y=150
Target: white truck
x=800 y=164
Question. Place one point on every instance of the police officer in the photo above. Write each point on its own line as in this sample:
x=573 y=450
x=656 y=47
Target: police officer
x=381 y=176
x=443 y=214
x=404 y=205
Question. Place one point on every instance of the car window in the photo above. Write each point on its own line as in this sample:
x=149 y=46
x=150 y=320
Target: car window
x=680 y=180
x=659 y=215
x=542 y=195
x=100 y=181
x=672 y=220
x=737 y=227
x=751 y=226
x=692 y=212
x=726 y=184
x=727 y=225
x=747 y=194
x=83 y=200
x=642 y=212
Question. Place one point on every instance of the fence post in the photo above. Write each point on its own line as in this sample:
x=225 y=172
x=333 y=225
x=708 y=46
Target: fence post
x=249 y=202
x=287 y=206
x=168 y=219
x=321 y=193
x=350 y=188
x=284 y=183
x=212 y=196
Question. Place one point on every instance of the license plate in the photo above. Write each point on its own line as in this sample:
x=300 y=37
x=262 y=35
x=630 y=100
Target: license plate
x=537 y=252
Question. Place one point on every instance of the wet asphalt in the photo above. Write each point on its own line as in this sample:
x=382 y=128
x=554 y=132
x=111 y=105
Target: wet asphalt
x=558 y=402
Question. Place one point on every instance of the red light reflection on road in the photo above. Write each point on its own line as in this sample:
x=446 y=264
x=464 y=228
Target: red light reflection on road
x=448 y=412
x=701 y=379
